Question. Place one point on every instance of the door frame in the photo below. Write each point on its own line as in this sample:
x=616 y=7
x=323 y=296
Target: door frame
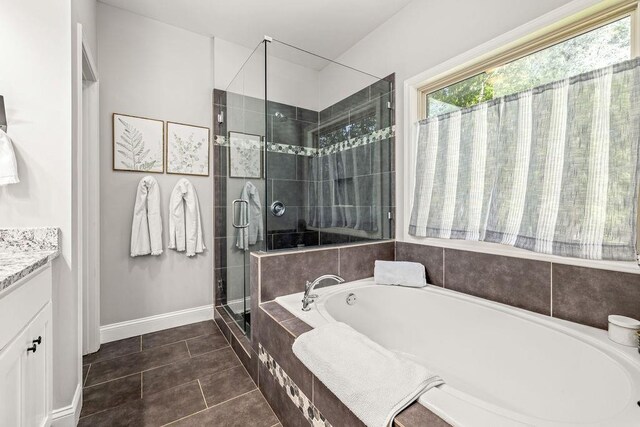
x=86 y=173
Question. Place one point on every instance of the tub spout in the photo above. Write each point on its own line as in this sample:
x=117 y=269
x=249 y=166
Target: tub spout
x=309 y=286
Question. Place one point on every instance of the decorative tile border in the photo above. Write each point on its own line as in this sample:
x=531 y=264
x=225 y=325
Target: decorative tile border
x=349 y=144
x=303 y=403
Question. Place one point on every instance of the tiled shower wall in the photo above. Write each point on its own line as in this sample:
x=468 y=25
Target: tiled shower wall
x=301 y=180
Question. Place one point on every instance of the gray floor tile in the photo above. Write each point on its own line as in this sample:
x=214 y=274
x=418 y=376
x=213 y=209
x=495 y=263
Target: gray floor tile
x=137 y=362
x=153 y=410
x=179 y=333
x=225 y=385
x=206 y=343
x=113 y=349
x=188 y=370
x=111 y=394
x=247 y=410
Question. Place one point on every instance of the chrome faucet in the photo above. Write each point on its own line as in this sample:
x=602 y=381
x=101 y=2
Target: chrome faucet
x=309 y=286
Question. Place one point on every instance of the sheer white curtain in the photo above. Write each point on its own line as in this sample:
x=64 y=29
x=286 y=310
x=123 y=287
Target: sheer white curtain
x=553 y=169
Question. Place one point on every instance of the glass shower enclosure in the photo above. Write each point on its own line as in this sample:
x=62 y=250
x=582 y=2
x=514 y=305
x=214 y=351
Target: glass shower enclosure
x=303 y=157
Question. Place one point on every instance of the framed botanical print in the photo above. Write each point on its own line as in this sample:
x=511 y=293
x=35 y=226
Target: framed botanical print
x=138 y=144
x=245 y=155
x=187 y=149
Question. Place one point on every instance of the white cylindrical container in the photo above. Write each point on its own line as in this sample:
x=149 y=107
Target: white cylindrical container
x=623 y=330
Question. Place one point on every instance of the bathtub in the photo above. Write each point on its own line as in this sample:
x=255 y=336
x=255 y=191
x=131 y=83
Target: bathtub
x=502 y=366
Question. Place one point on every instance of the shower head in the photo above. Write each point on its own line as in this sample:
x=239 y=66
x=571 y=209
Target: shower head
x=280 y=117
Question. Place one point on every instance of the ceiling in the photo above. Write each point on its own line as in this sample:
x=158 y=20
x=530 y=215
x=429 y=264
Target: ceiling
x=325 y=27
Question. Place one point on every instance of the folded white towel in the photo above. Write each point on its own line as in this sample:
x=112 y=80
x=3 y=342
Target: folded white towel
x=146 y=228
x=251 y=213
x=185 y=225
x=373 y=382
x=8 y=164
x=400 y=273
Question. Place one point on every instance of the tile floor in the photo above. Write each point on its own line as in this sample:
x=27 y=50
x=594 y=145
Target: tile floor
x=184 y=376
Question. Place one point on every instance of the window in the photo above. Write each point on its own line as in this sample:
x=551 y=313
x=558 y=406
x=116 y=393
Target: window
x=551 y=170
x=594 y=42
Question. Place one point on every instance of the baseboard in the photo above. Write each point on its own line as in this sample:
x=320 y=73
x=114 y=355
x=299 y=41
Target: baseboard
x=145 y=325
x=68 y=416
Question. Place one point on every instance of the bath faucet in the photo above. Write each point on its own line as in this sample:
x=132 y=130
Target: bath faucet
x=309 y=286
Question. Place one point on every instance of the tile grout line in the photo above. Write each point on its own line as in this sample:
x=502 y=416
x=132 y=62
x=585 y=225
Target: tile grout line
x=141 y=385
x=206 y=405
x=551 y=289
x=444 y=284
x=84 y=381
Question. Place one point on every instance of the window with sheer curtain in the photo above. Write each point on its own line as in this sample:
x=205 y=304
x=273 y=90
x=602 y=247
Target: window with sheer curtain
x=552 y=169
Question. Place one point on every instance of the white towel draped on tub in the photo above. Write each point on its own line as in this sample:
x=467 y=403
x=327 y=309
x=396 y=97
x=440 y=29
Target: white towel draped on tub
x=373 y=382
x=401 y=273
x=250 y=212
x=185 y=225
x=8 y=164
x=146 y=229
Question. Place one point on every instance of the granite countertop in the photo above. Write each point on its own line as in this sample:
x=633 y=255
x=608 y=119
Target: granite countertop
x=24 y=250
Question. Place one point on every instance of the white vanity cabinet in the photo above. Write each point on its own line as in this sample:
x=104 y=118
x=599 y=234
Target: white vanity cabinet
x=25 y=351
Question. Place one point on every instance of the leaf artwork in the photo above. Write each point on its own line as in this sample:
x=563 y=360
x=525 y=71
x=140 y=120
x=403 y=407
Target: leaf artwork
x=131 y=146
x=185 y=155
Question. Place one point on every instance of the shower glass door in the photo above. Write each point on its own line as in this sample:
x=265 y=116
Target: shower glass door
x=243 y=184
x=330 y=151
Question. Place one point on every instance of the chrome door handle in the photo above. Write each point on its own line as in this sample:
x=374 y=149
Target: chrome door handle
x=233 y=219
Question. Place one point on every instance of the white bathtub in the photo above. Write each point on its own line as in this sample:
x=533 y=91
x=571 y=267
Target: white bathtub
x=502 y=366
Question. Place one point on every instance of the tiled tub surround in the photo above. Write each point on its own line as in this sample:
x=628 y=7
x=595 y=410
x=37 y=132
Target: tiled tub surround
x=578 y=294
x=296 y=396
x=184 y=376
x=24 y=250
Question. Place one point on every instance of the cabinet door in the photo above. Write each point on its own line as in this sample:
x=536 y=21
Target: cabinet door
x=37 y=371
x=11 y=394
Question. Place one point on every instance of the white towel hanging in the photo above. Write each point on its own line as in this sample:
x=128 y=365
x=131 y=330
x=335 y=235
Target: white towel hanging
x=146 y=229
x=8 y=164
x=250 y=213
x=185 y=224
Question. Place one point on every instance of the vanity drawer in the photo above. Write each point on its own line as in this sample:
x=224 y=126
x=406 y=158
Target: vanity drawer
x=22 y=304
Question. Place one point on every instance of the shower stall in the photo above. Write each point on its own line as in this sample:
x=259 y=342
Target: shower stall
x=303 y=157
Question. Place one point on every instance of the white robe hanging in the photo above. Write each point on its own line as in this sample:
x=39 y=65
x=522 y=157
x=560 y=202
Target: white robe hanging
x=146 y=228
x=185 y=224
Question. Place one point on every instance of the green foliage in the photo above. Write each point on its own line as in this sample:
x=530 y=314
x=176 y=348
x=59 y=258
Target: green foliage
x=596 y=49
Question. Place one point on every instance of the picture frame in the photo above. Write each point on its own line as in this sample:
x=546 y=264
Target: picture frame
x=245 y=155
x=138 y=144
x=188 y=149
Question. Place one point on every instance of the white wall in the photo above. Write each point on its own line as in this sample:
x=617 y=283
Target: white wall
x=84 y=12
x=289 y=83
x=426 y=33
x=154 y=70
x=35 y=41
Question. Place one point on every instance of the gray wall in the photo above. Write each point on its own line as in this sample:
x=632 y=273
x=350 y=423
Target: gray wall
x=153 y=70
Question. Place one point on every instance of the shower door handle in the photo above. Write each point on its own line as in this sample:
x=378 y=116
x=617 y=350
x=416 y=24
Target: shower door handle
x=233 y=219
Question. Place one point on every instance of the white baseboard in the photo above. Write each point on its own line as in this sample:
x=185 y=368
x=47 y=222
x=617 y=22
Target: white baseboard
x=68 y=416
x=145 y=325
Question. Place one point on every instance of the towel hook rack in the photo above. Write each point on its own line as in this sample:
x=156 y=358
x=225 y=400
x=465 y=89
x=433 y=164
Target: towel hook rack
x=3 y=115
